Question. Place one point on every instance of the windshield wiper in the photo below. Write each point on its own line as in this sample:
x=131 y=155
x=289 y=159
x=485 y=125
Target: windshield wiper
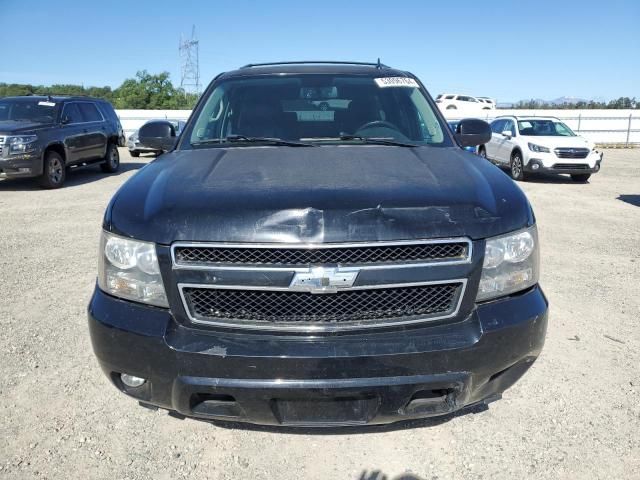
x=378 y=140
x=246 y=139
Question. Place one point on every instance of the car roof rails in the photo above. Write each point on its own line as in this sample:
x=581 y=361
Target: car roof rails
x=67 y=95
x=317 y=62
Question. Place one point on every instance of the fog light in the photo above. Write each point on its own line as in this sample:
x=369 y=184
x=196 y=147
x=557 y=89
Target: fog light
x=535 y=166
x=131 y=380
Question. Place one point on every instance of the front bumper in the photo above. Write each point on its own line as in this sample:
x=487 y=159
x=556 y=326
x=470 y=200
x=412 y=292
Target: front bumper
x=137 y=147
x=346 y=379
x=21 y=166
x=549 y=163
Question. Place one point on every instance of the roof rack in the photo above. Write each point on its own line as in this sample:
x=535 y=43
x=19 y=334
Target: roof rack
x=33 y=94
x=312 y=62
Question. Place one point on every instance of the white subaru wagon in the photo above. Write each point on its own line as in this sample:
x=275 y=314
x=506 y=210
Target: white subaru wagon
x=527 y=145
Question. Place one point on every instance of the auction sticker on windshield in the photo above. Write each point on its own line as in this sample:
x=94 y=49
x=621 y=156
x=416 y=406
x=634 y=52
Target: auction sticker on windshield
x=396 y=82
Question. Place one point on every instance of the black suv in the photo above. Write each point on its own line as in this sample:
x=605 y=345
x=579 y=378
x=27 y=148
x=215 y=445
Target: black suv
x=42 y=136
x=316 y=249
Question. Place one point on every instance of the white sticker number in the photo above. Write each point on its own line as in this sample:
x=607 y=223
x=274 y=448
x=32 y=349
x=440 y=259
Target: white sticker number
x=396 y=82
x=47 y=104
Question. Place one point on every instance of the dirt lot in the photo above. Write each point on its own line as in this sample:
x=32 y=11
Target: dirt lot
x=576 y=414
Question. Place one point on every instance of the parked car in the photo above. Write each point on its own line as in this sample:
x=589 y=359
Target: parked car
x=348 y=269
x=490 y=102
x=42 y=136
x=529 y=145
x=133 y=142
x=463 y=105
x=454 y=127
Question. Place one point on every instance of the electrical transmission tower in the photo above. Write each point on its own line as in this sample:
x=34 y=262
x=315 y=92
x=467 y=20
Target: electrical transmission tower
x=189 y=63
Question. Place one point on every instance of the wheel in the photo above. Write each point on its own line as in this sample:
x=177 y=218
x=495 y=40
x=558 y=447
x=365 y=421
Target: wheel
x=112 y=159
x=517 y=167
x=53 y=171
x=134 y=154
x=451 y=107
x=482 y=152
x=580 y=177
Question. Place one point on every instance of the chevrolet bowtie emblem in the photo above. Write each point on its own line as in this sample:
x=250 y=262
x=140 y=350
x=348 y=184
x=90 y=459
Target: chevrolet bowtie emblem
x=323 y=280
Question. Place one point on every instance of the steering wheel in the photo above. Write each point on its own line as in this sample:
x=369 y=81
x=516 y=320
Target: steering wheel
x=378 y=123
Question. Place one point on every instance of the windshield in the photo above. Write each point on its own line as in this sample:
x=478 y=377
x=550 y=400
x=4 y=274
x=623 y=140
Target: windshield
x=317 y=109
x=544 y=128
x=28 y=110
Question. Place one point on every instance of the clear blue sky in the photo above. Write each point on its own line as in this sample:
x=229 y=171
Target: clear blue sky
x=509 y=50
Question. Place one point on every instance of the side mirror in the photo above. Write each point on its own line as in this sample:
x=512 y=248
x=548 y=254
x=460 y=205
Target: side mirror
x=471 y=132
x=507 y=133
x=158 y=135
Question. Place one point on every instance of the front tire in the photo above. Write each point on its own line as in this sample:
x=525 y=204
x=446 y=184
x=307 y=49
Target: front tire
x=54 y=172
x=580 y=177
x=516 y=166
x=112 y=159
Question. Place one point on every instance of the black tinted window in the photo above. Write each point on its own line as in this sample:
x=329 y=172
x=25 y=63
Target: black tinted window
x=497 y=126
x=89 y=112
x=26 y=109
x=108 y=111
x=317 y=108
x=510 y=126
x=71 y=113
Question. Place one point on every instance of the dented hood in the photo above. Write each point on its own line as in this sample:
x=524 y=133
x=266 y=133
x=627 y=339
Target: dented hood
x=317 y=194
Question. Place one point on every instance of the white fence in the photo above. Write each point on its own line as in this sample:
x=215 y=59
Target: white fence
x=599 y=126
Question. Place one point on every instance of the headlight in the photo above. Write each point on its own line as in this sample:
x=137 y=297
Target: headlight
x=129 y=269
x=538 y=148
x=21 y=144
x=511 y=264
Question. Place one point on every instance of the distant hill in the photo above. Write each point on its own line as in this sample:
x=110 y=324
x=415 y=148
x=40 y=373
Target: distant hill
x=571 y=100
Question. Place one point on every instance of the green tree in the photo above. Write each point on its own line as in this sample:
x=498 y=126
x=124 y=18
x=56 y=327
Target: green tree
x=151 y=92
x=145 y=91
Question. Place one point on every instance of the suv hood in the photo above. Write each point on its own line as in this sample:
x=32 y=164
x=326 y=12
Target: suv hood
x=556 y=141
x=317 y=194
x=11 y=126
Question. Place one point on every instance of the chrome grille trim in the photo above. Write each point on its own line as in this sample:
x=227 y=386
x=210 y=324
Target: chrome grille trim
x=568 y=152
x=311 y=246
x=311 y=328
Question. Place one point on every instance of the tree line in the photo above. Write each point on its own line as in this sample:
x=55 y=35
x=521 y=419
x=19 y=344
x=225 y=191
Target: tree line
x=619 y=103
x=145 y=91
x=156 y=92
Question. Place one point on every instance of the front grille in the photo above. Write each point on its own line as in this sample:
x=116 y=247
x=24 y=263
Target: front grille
x=266 y=307
x=1 y=145
x=571 y=152
x=343 y=255
x=570 y=166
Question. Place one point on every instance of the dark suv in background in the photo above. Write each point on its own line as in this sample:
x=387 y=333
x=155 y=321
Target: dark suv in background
x=41 y=136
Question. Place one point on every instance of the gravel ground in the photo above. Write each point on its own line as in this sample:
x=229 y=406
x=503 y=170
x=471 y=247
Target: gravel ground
x=576 y=414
